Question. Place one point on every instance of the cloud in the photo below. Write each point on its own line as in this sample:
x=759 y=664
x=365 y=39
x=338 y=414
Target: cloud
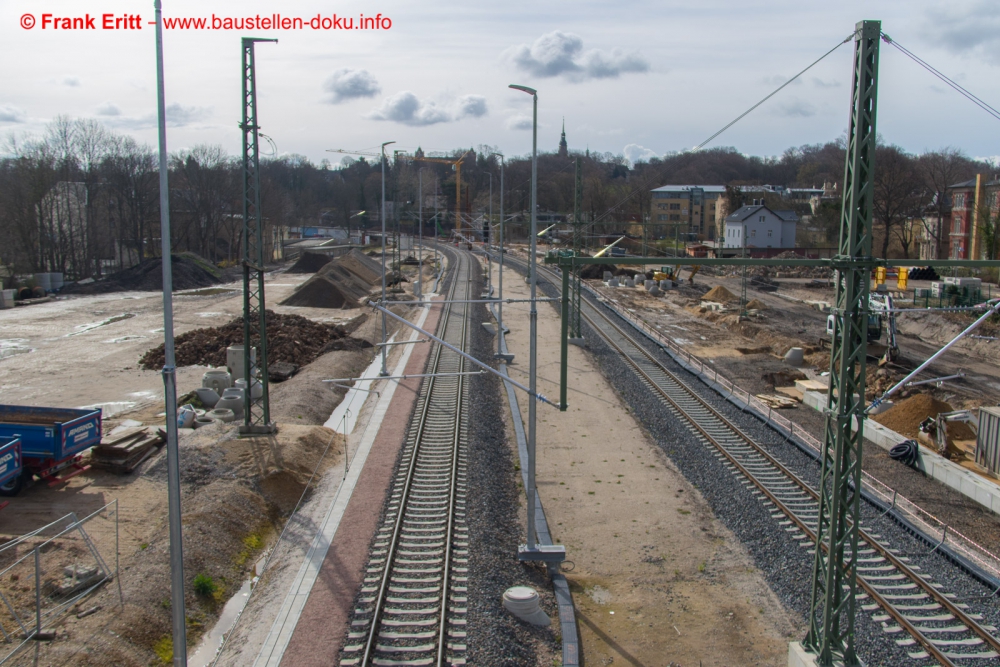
x=11 y=114
x=636 y=153
x=177 y=116
x=70 y=81
x=108 y=109
x=519 y=122
x=561 y=54
x=796 y=109
x=966 y=28
x=832 y=83
x=471 y=105
x=406 y=108
x=350 y=84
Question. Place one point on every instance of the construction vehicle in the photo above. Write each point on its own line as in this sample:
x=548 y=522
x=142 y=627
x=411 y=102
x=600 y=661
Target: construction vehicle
x=52 y=442
x=881 y=319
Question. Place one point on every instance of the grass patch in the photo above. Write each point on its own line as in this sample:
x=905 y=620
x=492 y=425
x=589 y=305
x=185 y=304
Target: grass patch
x=204 y=585
x=164 y=649
x=683 y=511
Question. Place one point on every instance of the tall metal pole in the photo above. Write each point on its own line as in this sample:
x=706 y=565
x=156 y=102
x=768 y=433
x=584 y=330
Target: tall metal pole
x=500 y=269
x=256 y=417
x=420 y=244
x=488 y=239
x=384 y=370
x=169 y=375
x=834 y=585
x=532 y=316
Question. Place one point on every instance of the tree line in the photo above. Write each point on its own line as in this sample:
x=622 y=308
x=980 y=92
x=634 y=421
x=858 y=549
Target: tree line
x=84 y=200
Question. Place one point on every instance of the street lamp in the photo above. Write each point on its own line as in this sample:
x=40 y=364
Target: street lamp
x=500 y=271
x=384 y=372
x=532 y=317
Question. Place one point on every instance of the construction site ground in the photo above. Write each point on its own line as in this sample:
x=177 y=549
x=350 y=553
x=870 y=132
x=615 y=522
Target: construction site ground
x=654 y=572
x=751 y=354
x=237 y=493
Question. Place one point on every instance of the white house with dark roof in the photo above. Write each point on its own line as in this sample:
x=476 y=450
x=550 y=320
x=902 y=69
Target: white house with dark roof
x=763 y=228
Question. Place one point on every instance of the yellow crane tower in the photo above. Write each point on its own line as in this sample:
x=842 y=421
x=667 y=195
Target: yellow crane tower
x=456 y=164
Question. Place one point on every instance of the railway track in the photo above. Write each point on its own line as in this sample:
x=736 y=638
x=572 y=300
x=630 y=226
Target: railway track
x=903 y=600
x=412 y=606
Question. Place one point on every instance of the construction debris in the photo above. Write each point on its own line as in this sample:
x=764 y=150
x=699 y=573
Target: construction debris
x=122 y=452
x=777 y=402
x=290 y=338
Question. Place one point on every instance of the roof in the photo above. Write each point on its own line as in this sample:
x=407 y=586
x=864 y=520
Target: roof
x=741 y=214
x=971 y=183
x=674 y=188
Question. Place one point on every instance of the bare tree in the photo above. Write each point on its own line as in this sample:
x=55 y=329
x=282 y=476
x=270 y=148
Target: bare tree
x=897 y=193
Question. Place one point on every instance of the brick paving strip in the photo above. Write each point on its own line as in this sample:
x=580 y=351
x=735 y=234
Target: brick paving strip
x=312 y=623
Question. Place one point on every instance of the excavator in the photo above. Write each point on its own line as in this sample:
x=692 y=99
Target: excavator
x=881 y=319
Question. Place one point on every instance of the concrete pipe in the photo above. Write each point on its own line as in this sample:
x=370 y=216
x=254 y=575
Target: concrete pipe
x=217 y=379
x=522 y=601
x=208 y=396
x=222 y=415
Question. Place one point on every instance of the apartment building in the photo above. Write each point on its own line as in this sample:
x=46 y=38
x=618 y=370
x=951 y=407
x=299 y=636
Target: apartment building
x=760 y=227
x=974 y=205
x=691 y=209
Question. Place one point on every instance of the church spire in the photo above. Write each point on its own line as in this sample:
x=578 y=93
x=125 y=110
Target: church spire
x=563 y=150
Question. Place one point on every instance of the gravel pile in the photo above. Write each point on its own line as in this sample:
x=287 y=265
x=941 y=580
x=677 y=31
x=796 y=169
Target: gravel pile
x=309 y=262
x=187 y=269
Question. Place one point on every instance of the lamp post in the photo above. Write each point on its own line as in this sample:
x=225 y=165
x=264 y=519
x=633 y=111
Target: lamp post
x=384 y=372
x=420 y=244
x=179 y=627
x=488 y=238
x=532 y=317
x=500 y=271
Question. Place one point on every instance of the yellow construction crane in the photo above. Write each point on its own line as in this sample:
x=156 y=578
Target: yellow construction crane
x=456 y=164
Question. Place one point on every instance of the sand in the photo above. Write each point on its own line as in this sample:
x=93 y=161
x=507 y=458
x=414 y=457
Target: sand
x=719 y=294
x=905 y=416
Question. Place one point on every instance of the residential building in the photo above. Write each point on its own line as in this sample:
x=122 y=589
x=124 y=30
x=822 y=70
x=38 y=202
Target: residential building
x=688 y=209
x=760 y=227
x=974 y=205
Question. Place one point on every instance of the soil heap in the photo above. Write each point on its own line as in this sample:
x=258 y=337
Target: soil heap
x=905 y=416
x=756 y=304
x=309 y=262
x=342 y=283
x=189 y=272
x=719 y=294
x=290 y=338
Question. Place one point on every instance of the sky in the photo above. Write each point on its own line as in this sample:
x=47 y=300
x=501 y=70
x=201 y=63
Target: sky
x=634 y=78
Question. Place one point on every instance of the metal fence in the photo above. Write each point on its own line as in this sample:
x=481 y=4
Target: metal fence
x=44 y=573
x=985 y=560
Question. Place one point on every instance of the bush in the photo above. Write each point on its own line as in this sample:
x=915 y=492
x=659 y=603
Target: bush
x=203 y=585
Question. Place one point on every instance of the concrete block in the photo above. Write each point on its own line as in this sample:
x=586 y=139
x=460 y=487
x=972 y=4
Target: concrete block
x=799 y=657
x=795 y=356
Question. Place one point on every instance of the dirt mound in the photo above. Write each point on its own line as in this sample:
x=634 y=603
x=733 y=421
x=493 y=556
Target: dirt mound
x=960 y=431
x=905 y=416
x=756 y=304
x=596 y=271
x=309 y=262
x=719 y=294
x=362 y=266
x=290 y=338
x=321 y=292
x=189 y=272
